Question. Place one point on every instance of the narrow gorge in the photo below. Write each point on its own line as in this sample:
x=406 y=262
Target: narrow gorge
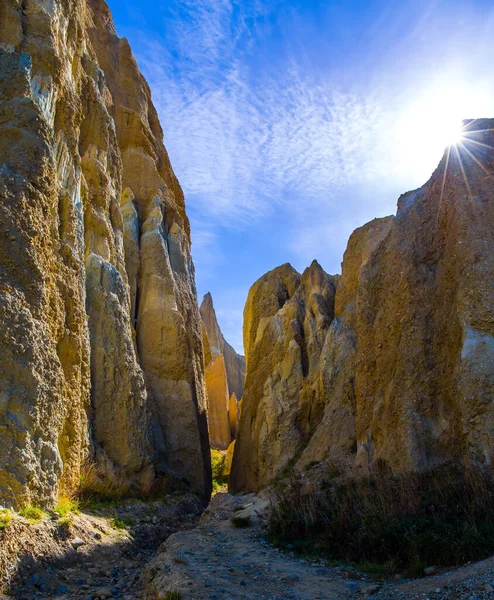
x=390 y=365
x=116 y=387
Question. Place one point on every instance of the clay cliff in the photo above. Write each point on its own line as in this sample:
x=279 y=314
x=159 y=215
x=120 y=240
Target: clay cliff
x=399 y=372
x=225 y=374
x=99 y=324
x=286 y=321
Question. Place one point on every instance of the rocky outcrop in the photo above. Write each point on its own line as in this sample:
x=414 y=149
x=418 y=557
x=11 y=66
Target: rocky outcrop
x=286 y=321
x=405 y=365
x=234 y=411
x=234 y=362
x=100 y=328
x=225 y=373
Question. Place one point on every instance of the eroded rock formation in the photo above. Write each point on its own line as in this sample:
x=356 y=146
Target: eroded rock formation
x=225 y=374
x=286 y=320
x=401 y=376
x=99 y=324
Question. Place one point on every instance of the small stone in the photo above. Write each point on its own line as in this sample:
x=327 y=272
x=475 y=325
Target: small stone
x=488 y=587
x=77 y=543
x=103 y=593
x=371 y=589
x=429 y=570
x=438 y=590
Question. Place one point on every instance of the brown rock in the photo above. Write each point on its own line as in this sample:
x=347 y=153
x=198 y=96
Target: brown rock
x=234 y=362
x=225 y=370
x=286 y=320
x=234 y=411
x=218 y=418
x=404 y=371
x=93 y=229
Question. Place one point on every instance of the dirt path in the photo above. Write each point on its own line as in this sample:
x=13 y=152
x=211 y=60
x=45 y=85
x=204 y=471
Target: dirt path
x=200 y=559
x=100 y=555
x=217 y=560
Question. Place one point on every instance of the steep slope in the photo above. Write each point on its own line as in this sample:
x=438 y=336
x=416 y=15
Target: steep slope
x=100 y=329
x=225 y=374
x=406 y=371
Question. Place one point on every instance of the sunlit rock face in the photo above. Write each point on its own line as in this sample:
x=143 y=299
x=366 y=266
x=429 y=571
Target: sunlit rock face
x=286 y=321
x=225 y=374
x=406 y=367
x=100 y=331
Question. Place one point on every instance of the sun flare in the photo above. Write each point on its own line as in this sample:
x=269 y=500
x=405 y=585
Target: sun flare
x=433 y=122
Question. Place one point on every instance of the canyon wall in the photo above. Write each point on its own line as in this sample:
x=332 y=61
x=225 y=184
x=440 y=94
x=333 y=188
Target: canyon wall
x=225 y=374
x=286 y=320
x=404 y=353
x=99 y=324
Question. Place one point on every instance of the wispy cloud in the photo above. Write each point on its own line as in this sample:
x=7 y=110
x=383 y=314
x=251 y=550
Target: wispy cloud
x=242 y=141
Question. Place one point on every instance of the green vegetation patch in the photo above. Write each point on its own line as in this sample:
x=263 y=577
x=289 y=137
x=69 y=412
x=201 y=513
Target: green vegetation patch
x=220 y=481
x=33 y=514
x=443 y=517
x=5 y=519
x=66 y=506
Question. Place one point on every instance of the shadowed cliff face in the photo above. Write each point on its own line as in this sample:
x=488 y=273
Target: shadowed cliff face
x=100 y=328
x=406 y=366
x=225 y=374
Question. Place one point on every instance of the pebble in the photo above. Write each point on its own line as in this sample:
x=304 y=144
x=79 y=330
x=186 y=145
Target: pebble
x=429 y=570
x=371 y=589
x=77 y=543
x=103 y=593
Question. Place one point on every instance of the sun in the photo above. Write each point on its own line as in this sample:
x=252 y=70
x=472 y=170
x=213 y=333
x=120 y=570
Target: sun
x=432 y=122
x=453 y=133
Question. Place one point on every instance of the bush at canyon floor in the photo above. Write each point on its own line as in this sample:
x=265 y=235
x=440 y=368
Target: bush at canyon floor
x=443 y=517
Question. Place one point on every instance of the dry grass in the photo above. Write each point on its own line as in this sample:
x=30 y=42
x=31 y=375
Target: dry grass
x=442 y=517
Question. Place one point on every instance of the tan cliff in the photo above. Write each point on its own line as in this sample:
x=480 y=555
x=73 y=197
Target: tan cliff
x=405 y=365
x=286 y=319
x=100 y=331
x=225 y=374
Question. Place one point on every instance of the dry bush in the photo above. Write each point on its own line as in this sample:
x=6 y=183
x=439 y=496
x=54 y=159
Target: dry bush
x=441 y=517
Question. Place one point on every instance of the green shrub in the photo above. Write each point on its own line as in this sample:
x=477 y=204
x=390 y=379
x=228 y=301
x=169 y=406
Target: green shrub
x=118 y=523
x=220 y=481
x=65 y=506
x=5 y=519
x=33 y=514
x=444 y=517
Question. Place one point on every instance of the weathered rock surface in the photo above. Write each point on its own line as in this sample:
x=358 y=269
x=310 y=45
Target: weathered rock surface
x=234 y=411
x=225 y=373
x=234 y=362
x=100 y=331
x=286 y=320
x=399 y=372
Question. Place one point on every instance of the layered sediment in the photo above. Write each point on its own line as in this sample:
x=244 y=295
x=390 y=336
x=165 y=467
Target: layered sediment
x=99 y=323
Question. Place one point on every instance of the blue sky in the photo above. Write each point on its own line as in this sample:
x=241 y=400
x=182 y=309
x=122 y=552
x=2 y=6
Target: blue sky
x=290 y=123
